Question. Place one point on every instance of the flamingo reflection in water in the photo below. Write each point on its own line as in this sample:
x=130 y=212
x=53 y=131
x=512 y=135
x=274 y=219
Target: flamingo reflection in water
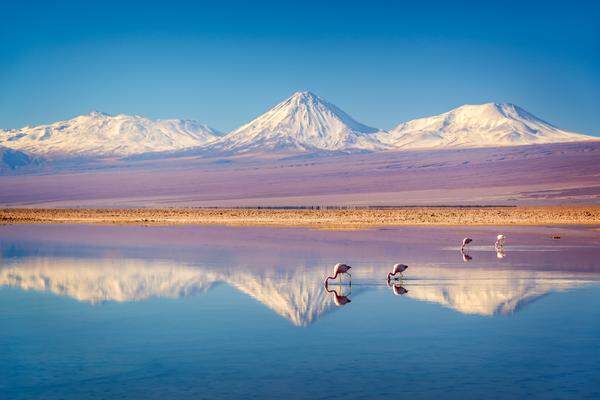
x=465 y=256
x=338 y=299
x=500 y=253
x=398 y=289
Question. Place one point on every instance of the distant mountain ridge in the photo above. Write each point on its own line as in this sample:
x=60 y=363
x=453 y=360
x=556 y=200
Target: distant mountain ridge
x=485 y=125
x=100 y=134
x=304 y=122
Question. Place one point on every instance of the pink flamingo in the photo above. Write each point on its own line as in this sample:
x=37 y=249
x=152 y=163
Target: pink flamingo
x=338 y=270
x=500 y=242
x=397 y=269
x=465 y=242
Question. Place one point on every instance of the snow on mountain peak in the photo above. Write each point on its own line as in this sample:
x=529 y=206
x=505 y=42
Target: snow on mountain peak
x=481 y=125
x=489 y=111
x=304 y=121
x=100 y=134
x=305 y=98
x=97 y=114
x=303 y=94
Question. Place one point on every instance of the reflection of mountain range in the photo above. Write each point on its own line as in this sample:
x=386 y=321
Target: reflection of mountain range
x=107 y=280
x=487 y=292
x=296 y=295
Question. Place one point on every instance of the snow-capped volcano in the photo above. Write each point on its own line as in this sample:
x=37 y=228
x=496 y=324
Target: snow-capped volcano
x=484 y=125
x=302 y=122
x=100 y=134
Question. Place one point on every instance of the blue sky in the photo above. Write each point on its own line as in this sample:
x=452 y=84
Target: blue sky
x=224 y=63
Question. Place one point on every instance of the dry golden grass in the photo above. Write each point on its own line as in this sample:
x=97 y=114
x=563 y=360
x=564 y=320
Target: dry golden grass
x=324 y=218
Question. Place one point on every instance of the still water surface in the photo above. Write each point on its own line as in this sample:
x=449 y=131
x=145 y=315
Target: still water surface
x=94 y=312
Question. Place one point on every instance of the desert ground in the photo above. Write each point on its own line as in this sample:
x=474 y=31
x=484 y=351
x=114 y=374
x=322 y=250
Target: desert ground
x=525 y=175
x=357 y=218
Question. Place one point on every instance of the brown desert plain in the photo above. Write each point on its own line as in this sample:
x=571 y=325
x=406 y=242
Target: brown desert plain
x=515 y=184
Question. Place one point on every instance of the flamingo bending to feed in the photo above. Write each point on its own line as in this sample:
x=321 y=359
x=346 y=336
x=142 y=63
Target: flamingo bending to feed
x=397 y=269
x=465 y=242
x=500 y=241
x=338 y=270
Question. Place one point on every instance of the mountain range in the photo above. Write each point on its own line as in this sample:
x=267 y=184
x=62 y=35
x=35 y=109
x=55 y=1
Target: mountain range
x=302 y=123
x=100 y=134
x=485 y=125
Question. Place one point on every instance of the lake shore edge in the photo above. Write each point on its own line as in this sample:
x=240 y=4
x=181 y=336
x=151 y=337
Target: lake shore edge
x=329 y=218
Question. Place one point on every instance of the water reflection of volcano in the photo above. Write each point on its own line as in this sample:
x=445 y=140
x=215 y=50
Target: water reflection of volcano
x=295 y=294
x=487 y=292
x=298 y=296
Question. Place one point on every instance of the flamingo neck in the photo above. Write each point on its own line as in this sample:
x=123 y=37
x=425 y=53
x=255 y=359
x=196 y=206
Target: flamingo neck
x=331 y=277
x=331 y=291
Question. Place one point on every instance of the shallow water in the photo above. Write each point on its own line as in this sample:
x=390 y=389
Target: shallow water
x=92 y=312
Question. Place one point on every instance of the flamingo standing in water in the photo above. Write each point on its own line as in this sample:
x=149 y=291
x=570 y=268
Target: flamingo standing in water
x=397 y=269
x=500 y=241
x=338 y=270
x=465 y=242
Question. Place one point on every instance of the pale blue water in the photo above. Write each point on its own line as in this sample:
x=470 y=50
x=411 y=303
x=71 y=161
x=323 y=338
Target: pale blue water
x=214 y=312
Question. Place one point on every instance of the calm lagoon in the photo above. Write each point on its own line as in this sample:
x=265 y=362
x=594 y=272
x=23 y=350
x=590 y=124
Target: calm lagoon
x=104 y=312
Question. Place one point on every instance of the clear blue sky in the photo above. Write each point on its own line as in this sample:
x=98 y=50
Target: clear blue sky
x=224 y=63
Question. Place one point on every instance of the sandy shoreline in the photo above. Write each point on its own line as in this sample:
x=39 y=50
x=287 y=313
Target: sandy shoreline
x=327 y=219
